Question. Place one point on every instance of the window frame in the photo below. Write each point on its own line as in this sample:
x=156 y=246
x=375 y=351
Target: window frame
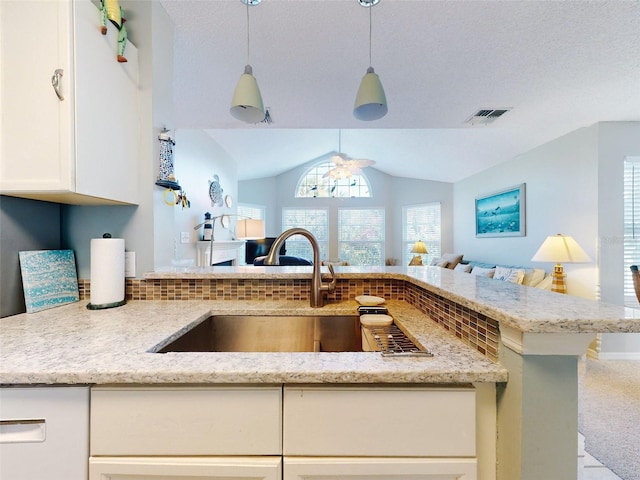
x=323 y=185
x=323 y=243
x=379 y=241
x=631 y=226
x=434 y=246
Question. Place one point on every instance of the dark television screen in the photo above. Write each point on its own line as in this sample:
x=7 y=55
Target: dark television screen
x=259 y=248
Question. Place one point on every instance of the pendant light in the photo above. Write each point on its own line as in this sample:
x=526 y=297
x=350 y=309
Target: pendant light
x=246 y=104
x=371 y=102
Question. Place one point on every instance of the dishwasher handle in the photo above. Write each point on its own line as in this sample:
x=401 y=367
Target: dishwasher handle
x=27 y=430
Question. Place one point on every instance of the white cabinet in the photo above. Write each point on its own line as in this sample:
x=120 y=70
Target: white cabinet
x=312 y=468
x=176 y=468
x=186 y=421
x=388 y=433
x=374 y=421
x=186 y=432
x=82 y=149
x=299 y=433
x=44 y=433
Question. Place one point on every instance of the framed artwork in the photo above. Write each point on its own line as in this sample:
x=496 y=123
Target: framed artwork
x=501 y=213
x=49 y=278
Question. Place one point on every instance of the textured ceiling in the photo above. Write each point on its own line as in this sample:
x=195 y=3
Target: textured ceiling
x=559 y=65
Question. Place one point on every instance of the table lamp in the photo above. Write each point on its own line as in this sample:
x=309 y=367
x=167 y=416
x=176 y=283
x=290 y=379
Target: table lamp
x=560 y=249
x=250 y=229
x=421 y=249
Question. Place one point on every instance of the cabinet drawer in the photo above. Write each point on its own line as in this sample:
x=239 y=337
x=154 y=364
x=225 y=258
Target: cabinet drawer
x=368 y=421
x=186 y=421
x=318 y=468
x=202 y=468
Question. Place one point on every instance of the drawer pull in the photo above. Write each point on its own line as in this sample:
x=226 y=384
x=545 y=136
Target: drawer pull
x=23 y=431
x=55 y=82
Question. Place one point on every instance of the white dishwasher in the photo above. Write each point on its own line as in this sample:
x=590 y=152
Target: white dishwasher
x=44 y=433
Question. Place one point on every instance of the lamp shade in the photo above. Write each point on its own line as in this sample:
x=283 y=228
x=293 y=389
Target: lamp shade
x=419 y=247
x=561 y=249
x=371 y=102
x=250 y=229
x=246 y=104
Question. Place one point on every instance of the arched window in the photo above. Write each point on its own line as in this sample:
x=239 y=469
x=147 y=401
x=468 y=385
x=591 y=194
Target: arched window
x=314 y=183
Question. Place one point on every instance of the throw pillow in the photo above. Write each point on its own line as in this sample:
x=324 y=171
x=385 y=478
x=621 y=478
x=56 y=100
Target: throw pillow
x=438 y=262
x=546 y=283
x=513 y=275
x=452 y=259
x=462 y=268
x=483 y=272
x=533 y=277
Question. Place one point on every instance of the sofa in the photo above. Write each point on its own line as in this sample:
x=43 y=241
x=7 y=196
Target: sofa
x=529 y=276
x=284 y=260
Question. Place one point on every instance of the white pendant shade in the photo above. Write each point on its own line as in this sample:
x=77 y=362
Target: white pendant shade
x=371 y=102
x=246 y=104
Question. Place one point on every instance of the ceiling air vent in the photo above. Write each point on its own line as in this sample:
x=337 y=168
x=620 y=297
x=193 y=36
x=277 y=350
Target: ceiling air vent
x=486 y=116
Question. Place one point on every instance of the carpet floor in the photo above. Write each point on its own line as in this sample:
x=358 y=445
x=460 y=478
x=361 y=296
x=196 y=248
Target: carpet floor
x=609 y=413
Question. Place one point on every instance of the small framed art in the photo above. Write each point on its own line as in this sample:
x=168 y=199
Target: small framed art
x=501 y=213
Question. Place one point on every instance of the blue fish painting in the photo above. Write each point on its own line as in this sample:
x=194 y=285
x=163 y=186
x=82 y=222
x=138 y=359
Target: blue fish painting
x=500 y=214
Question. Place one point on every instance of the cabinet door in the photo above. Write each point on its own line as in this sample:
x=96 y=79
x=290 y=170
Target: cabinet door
x=379 y=422
x=185 y=468
x=82 y=148
x=142 y=421
x=35 y=142
x=44 y=433
x=308 y=468
x=107 y=129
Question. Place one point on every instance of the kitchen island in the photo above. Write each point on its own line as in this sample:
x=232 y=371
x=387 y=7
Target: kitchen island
x=516 y=345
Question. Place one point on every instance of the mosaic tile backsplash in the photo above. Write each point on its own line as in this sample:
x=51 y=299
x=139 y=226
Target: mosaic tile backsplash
x=473 y=328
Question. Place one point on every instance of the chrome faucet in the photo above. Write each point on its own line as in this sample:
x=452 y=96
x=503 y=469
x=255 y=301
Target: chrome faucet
x=317 y=287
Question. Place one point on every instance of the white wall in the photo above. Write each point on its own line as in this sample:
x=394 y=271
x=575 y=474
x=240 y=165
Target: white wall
x=617 y=140
x=574 y=186
x=561 y=197
x=390 y=193
x=197 y=159
x=263 y=192
x=410 y=191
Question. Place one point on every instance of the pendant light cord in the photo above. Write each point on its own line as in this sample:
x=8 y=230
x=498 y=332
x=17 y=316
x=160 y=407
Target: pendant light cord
x=248 y=52
x=370 y=8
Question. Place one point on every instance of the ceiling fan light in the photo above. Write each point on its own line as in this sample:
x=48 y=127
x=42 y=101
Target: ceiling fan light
x=371 y=102
x=246 y=104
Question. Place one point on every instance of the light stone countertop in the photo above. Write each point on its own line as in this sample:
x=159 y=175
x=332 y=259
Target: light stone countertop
x=73 y=345
x=526 y=309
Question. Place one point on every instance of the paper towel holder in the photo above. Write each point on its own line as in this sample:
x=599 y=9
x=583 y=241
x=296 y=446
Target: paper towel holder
x=103 y=306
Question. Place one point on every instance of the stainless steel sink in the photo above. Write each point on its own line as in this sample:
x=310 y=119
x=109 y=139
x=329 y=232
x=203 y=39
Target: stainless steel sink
x=261 y=333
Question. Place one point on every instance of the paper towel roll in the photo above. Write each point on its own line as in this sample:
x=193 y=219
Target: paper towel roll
x=107 y=273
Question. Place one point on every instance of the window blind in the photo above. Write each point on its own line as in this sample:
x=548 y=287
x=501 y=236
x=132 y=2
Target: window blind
x=316 y=220
x=251 y=211
x=361 y=235
x=631 y=226
x=421 y=222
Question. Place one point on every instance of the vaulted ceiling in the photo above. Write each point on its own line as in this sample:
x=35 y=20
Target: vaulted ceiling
x=557 y=65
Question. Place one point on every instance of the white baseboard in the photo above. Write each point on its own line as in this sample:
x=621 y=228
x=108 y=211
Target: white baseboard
x=618 y=356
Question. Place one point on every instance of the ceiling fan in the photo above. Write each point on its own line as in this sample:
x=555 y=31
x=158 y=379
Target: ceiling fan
x=344 y=166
